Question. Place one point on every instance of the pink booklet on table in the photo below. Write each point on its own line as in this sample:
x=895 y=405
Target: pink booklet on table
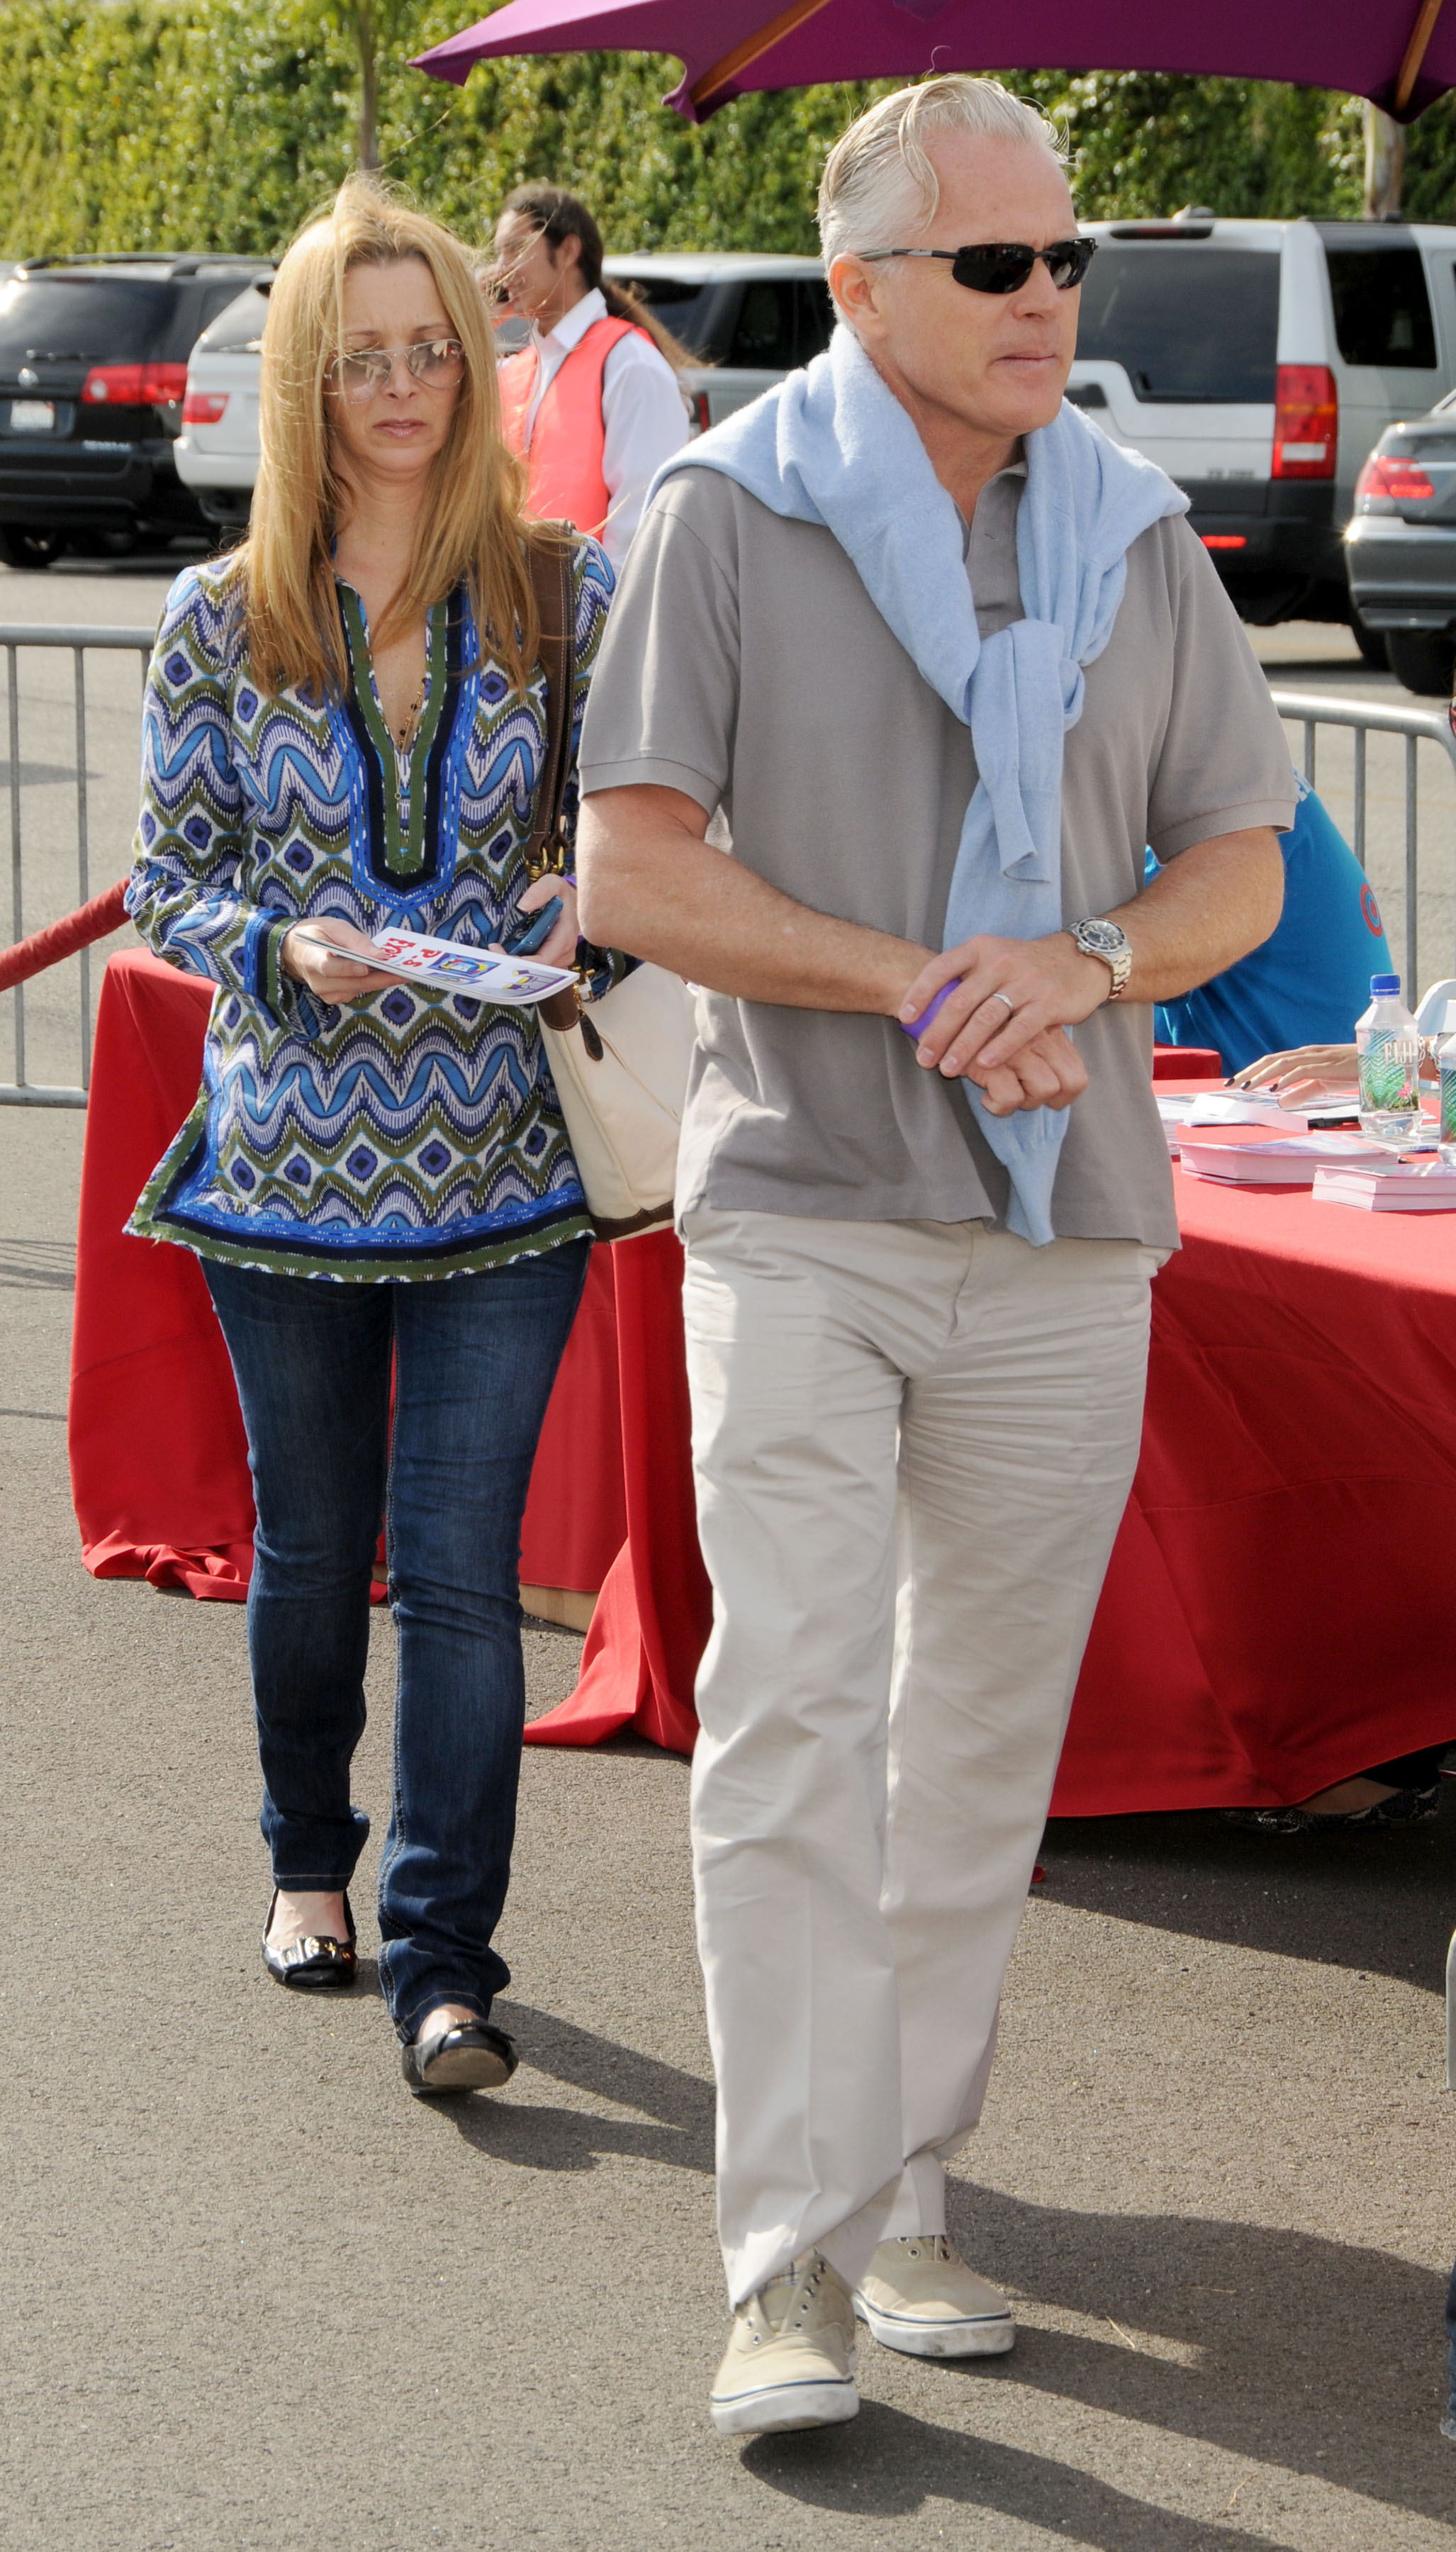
x=1397 y=1187
x=1283 y=1161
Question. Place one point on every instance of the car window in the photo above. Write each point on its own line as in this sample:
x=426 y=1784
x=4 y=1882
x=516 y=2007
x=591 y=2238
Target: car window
x=85 y=318
x=763 y=339
x=197 y=303
x=685 y=308
x=240 y=325
x=1185 y=321
x=1382 y=308
x=215 y=302
x=816 y=311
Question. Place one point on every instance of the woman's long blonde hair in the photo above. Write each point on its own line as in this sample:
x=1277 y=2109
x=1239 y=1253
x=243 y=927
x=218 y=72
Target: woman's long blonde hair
x=471 y=526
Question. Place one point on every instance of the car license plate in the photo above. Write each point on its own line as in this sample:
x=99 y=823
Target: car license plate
x=32 y=416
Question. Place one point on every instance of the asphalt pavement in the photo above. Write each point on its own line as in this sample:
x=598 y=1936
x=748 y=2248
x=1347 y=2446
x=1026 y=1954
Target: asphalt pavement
x=255 y=2296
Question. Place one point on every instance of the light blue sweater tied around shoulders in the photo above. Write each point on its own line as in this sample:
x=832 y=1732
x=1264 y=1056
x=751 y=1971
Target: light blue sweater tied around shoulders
x=833 y=446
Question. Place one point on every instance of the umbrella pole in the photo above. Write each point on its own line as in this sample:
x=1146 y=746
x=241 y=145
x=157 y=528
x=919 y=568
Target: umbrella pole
x=752 y=48
x=1415 y=51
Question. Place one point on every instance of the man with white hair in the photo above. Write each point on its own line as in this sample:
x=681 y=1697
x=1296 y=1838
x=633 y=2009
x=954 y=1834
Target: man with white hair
x=906 y=668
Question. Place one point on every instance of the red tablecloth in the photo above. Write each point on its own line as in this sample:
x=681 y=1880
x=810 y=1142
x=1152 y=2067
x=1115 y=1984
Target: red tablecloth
x=159 y=1456
x=1186 y=1063
x=1281 y=1605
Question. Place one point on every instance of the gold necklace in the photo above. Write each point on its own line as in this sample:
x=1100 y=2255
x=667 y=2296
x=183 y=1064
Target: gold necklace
x=410 y=728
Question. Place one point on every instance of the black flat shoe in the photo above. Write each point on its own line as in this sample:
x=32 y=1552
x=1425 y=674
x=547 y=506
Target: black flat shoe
x=317 y=1963
x=471 y=2056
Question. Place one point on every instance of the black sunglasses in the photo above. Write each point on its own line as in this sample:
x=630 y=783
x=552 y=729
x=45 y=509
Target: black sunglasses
x=1004 y=266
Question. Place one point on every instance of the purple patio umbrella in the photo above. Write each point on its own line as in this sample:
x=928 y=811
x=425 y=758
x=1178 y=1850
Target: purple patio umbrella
x=1400 y=52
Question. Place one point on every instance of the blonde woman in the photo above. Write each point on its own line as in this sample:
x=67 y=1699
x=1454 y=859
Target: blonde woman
x=343 y=726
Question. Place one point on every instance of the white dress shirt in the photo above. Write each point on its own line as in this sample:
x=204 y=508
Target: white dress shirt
x=642 y=409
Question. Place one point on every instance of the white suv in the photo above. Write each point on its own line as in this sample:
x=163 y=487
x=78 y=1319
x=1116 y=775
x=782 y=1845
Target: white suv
x=216 y=451
x=1258 y=363
x=749 y=319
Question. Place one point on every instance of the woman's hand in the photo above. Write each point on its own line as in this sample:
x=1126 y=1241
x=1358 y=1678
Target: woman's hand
x=335 y=979
x=1301 y=1072
x=561 y=948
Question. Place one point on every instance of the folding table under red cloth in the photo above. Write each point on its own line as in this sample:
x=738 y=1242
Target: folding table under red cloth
x=1281 y=1606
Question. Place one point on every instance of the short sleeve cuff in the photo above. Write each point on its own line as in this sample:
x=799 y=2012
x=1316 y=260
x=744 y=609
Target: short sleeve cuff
x=706 y=792
x=1219 y=820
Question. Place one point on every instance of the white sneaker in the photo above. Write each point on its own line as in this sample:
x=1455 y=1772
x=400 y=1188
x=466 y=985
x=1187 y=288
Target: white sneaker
x=918 y=2296
x=789 y=2362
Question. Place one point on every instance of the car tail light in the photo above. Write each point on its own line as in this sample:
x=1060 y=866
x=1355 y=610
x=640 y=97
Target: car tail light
x=204 y=407
x=1307 y=421
x=1401 y=481
x=703 y=415
x=135 y=384
x=1224 y=540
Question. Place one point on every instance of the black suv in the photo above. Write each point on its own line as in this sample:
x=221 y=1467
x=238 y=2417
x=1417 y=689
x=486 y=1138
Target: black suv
x=93 y=370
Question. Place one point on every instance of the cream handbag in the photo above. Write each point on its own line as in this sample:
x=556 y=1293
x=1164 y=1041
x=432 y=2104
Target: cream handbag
x=620 y=1066
x=621 y=1076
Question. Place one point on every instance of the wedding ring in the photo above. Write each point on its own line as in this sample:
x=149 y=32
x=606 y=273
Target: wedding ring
x=1001 y=996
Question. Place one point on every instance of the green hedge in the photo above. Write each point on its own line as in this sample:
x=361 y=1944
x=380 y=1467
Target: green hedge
x=222 y=123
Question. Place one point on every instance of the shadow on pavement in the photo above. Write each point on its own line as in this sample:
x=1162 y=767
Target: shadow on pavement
x=885 y=2463
x=1382 y=1902
x=1319 y=2357
x=548 y=2139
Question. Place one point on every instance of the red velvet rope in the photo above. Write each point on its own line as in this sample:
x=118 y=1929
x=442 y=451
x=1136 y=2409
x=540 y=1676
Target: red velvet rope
x=94 y=920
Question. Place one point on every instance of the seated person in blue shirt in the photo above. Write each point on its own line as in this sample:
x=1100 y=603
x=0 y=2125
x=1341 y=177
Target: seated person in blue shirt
x=1290 y=1007
x=1309 y=983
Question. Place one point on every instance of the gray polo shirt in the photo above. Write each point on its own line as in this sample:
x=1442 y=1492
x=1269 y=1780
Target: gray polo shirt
x=745 y=664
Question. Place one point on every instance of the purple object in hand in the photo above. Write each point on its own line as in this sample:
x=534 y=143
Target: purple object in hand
x=916 y=1027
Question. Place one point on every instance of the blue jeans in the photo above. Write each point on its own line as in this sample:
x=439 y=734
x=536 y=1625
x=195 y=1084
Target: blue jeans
x=475 y=1358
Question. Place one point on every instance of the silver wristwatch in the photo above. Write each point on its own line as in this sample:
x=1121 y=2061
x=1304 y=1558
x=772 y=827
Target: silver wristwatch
x=1108 y=940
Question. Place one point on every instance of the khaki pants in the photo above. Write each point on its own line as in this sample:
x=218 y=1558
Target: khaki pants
x=914 y=1444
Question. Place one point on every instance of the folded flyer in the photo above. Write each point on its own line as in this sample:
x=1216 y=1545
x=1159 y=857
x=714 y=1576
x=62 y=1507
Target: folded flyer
x=513 y=982
x=1244 y=1107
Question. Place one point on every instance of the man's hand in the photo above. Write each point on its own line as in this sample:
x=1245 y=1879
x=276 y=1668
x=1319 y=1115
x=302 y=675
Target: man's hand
x=1012 y=994
x=1047 y=1072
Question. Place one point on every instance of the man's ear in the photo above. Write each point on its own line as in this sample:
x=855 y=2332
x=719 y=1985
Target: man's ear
x=855 y=288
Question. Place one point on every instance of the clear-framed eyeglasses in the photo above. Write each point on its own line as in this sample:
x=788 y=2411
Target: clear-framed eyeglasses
x=436 y=364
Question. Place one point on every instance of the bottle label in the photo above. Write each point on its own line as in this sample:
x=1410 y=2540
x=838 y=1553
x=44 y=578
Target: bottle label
x=1448 y=1102
x=1390 y=1070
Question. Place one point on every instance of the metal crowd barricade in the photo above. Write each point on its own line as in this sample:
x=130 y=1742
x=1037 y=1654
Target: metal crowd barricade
x=20 y=1093
x=1312 y=710
x=1309 y=709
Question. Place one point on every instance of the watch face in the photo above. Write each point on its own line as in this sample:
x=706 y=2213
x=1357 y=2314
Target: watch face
x=1103 y=935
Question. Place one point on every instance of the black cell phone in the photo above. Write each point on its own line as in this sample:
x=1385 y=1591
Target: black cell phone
x=537 y=929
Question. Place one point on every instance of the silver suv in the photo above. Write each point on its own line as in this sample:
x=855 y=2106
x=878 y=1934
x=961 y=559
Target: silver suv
x=1258 y=363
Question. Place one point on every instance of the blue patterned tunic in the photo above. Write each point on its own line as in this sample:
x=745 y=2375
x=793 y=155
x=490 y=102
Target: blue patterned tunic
x=412 y=1134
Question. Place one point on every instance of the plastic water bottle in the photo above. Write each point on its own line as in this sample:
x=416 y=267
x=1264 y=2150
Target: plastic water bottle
x=1446 y=1060
x=1387 y=1045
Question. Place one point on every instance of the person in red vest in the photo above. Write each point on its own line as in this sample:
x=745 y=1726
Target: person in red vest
x=592 y=404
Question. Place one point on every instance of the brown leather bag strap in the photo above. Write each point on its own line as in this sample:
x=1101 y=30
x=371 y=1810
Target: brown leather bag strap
x=550 y=563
